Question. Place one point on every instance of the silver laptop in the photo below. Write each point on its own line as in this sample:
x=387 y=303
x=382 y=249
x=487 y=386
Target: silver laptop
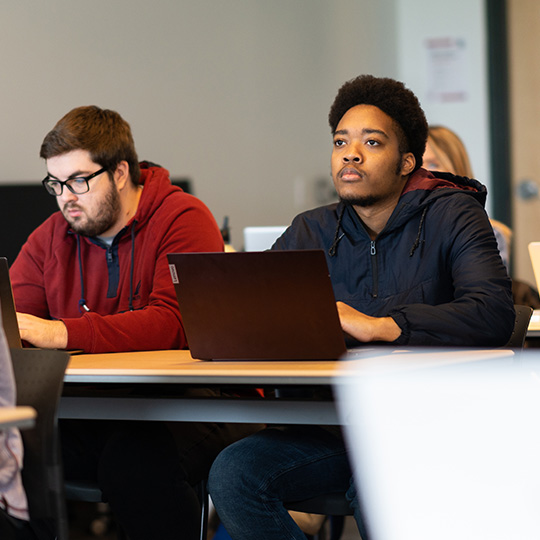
x=270 y=305
x=261 y=238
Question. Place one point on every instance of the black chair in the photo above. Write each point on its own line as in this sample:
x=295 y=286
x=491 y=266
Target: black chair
x=39 y=378
x=523 y=316
x=87 y=492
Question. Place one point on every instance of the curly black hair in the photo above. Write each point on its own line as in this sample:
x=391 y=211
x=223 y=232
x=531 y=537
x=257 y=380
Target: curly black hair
x=395 y=100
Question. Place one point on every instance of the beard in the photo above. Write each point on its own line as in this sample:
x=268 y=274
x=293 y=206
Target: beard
x=364 y=202
x=106 y=216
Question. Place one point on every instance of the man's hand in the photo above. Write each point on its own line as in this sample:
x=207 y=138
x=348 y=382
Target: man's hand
x=42 y=332
x=365 y=328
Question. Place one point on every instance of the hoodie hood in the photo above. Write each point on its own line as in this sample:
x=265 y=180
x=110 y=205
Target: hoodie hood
x=434 y=184
x=425 y=187
x=157 y=186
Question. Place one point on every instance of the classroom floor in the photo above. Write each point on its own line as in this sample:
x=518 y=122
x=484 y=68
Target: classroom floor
x=87 y=524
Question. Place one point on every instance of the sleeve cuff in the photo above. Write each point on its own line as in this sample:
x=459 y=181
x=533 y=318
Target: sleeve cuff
x=401 y=321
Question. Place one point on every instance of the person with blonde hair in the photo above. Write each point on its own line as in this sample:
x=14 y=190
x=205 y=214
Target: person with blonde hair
x=446 y=152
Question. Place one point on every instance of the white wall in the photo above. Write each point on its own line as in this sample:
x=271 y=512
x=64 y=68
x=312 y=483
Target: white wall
x=234 y=94
x=421 y=20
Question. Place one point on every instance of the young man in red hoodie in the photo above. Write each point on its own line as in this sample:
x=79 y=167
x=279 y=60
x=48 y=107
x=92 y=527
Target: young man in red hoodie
x=94 y=276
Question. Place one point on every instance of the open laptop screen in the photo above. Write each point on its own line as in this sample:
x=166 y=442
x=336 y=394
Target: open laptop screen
x=272 y=305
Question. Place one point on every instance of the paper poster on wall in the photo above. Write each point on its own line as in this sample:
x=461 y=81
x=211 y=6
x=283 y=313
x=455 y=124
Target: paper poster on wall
x=446 y=70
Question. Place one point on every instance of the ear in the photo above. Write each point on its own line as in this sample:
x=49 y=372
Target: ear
x=408 y=163
x=121 y=175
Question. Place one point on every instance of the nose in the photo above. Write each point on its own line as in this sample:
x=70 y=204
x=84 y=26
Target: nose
x=353 y=154
x=66 y=197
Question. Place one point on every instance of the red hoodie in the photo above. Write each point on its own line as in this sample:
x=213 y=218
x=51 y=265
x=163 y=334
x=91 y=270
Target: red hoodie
x=51 y=283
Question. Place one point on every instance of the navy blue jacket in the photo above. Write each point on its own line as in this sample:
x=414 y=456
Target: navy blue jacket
x=434 y=268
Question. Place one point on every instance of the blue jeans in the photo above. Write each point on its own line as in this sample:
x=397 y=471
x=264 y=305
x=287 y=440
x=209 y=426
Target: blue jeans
x=250 y=480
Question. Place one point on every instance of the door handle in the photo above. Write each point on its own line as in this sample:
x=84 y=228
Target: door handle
x=527 y=189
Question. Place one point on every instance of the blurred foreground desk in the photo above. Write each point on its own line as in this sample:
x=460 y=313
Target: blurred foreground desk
x=149 y=385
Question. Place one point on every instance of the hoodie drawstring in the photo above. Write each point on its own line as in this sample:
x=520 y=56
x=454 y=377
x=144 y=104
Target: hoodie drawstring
x=82 y=301
x=337 y=236
x=417 y=241
x=132 y=265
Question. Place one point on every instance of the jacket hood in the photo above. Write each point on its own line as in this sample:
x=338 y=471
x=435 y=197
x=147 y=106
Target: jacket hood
x=156 y=188
x=425 y=187
x=428 y=185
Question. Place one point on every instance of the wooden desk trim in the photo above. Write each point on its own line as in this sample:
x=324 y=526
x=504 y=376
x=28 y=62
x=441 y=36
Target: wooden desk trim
x=178 y=367
x=21 y=417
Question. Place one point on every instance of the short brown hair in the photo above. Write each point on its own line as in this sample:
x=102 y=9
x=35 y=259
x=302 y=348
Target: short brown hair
x=102 y=132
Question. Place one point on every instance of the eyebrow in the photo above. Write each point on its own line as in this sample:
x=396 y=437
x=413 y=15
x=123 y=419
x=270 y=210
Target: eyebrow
x=365 y=131
x=76 y=174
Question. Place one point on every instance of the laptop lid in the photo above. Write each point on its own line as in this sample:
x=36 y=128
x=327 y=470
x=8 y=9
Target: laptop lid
x=534 y=254
x=261 y=238
x=9 y=315
x=273 y=305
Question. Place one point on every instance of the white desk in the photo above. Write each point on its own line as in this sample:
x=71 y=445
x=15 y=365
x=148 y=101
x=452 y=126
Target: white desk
x=21 y=417
x=159 y=371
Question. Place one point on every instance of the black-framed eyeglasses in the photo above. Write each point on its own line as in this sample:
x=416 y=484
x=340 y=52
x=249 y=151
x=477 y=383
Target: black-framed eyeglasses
x=78 y=185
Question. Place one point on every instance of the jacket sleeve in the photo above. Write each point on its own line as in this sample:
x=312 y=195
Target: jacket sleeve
x=482 y=310
x=27 y=271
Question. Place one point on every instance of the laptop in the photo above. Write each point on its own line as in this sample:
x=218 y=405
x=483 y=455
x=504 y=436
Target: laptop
x=445 y=453
x=9 y=313
x=534 y=253
x=261 y=238
x=9 y=316
x=270 y=305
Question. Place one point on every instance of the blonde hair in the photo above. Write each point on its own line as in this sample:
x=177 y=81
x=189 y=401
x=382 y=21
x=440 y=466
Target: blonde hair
x=450 y=151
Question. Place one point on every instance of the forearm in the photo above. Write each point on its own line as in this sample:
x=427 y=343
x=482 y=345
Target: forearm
x=42 y=332
x=365 y=328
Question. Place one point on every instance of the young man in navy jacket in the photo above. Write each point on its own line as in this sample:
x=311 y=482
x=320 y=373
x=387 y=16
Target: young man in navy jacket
x=413 y=261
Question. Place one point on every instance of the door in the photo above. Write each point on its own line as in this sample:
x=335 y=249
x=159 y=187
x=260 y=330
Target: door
x=524 y=86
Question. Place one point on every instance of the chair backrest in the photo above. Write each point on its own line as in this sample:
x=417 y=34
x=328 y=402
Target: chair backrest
x=39 y=379
x=523 y=316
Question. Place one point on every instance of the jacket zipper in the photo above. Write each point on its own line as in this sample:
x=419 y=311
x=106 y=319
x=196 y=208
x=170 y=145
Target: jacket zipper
x=375 y=267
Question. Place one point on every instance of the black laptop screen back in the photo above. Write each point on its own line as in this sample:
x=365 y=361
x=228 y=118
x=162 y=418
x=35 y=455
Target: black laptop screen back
x=260 y=305
x=9 y=316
